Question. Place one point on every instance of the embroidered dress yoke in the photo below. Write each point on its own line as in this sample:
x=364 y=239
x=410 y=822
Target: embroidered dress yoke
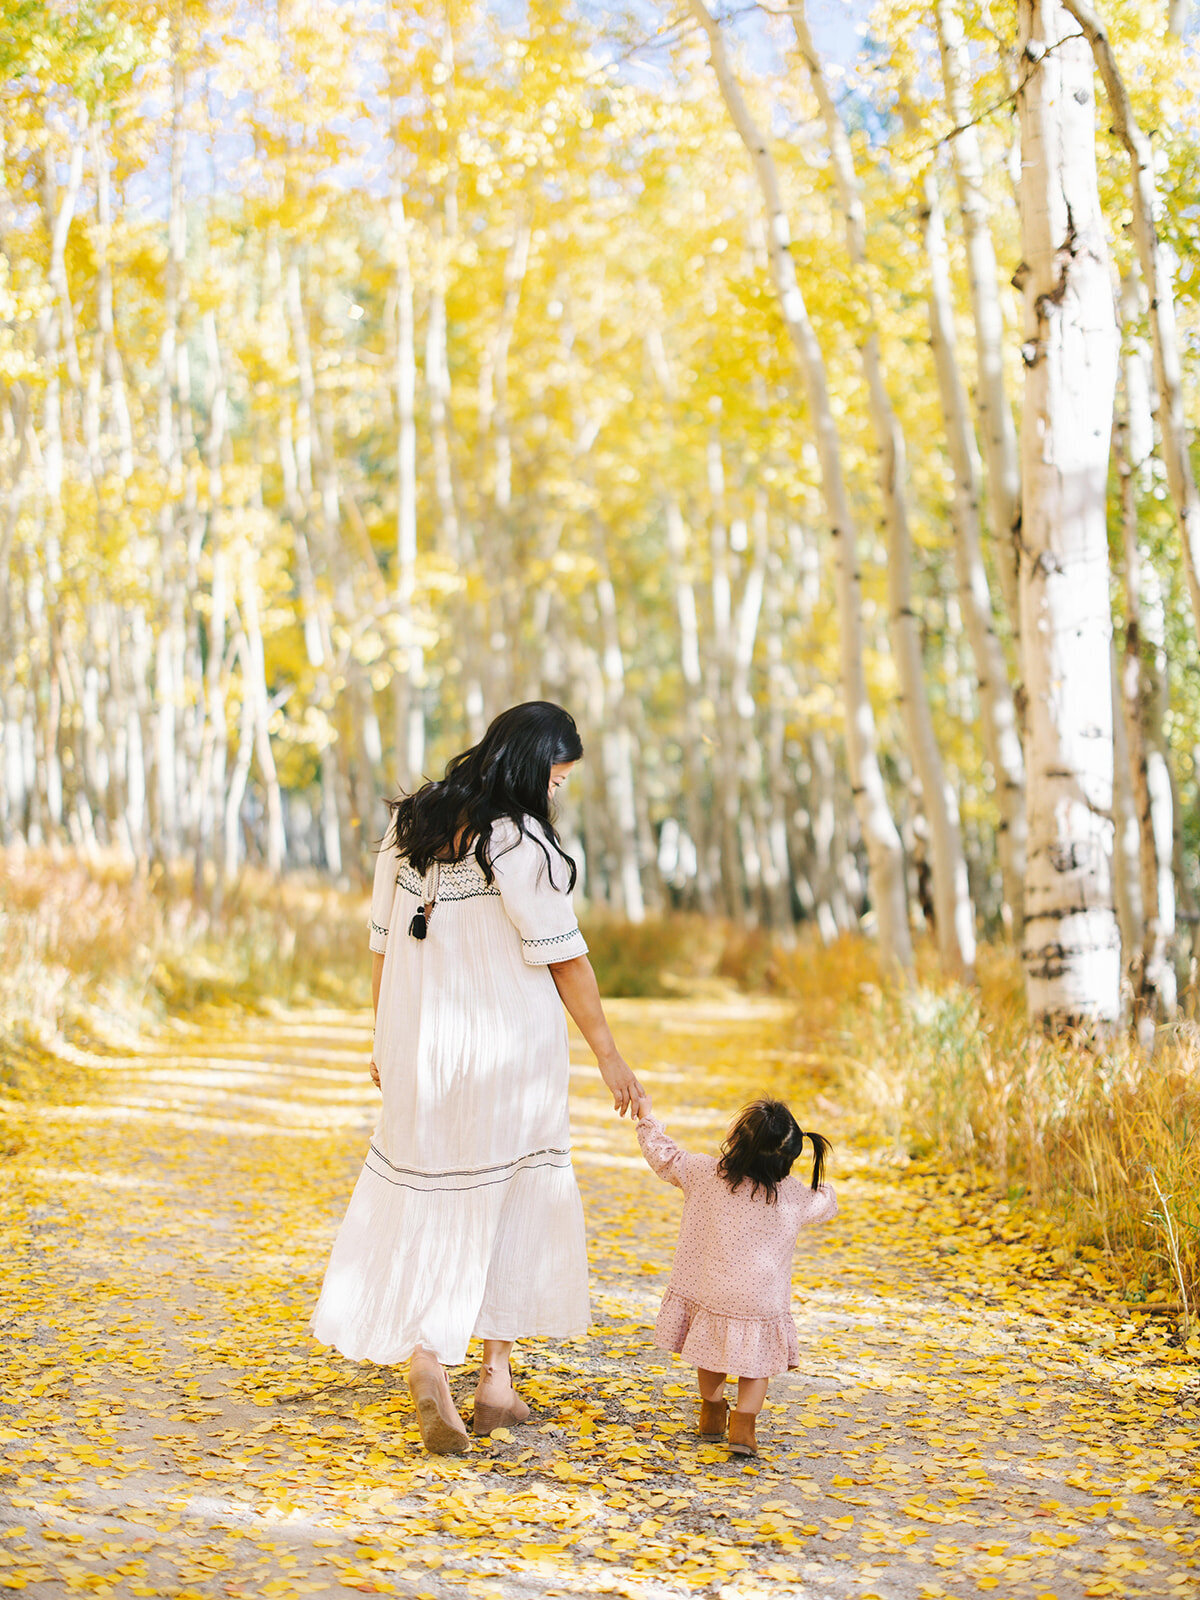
x=466 y=1219
x=728 y=1304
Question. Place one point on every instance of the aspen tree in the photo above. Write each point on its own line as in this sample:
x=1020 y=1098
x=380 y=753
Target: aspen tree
x=1156 y=265
x=998 y=714
x=954 y=913
x=1143 y=682
x=1072 y=946
x=996 y=425
x=878 y=827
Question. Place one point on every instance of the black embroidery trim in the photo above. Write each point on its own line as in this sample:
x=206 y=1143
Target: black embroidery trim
x=467 y=1172
x=556 y=938
x=450 y=887
x=467 y=1188
x=375 y=928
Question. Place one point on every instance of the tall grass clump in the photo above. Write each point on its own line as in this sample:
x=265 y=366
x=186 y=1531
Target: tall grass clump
x=92 y=953
x=1106 y=1136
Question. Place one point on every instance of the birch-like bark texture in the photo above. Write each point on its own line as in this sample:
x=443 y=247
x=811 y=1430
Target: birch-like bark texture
x=996 y=425
x=678 y=540
x=954 y=915
x=617 y=746
x=1127 y=871
x=1072 y=946
x=1143 y=675
x=882 y=841
x=407 y=710
x=1157 y=271
x=997 y=709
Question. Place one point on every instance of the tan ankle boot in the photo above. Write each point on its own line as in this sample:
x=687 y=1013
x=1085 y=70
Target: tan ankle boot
x=741 y=1434
x=713 y=1414
x=488 y=1415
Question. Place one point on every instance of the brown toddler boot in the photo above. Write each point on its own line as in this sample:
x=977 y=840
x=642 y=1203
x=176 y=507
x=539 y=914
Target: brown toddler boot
x=741 y=1434
x=712 y=1418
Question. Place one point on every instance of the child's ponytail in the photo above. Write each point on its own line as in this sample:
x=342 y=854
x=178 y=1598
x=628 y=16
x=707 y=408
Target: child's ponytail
x=763 y=1142
x=821 y=1148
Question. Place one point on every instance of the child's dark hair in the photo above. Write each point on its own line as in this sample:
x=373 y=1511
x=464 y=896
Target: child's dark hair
x=763 y=1142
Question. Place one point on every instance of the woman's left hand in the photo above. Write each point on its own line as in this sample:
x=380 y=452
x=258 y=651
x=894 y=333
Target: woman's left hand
x=375 y=1074
x=627 y=1092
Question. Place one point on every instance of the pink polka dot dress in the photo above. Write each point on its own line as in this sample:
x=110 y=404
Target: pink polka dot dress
x=728 y=1305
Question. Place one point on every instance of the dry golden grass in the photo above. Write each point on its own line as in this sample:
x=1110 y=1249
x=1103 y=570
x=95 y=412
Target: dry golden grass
x=1105 y=1138
x=94 y=952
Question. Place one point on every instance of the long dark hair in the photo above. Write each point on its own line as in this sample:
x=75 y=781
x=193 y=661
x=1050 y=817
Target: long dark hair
x=507 y=774
x=762 y=1143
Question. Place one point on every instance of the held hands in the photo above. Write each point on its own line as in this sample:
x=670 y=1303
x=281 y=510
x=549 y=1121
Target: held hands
x=627 y=1092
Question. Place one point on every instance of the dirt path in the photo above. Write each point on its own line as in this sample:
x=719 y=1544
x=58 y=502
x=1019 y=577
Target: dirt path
x=970 y=1416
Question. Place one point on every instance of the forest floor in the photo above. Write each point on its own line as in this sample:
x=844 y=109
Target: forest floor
x=974 y=1414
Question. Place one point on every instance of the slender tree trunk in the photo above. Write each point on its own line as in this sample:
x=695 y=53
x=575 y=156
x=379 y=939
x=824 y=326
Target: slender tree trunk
x=991 y=401
x=998 y=714
x=878 y=827
x=254 y=679
x=408 y=713
x=954 y=913
x=114 y=372
x=170 y=647
x=1143 y=677
x=695 y=783
x=617 y=740
x=1072 y=946
x=682 y=570
x=232 y=848
x=1155 y=259
x=778 y=869
x=727 y=756
x=1127 y=883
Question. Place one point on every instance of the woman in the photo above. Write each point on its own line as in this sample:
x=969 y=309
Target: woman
x=466 y=1220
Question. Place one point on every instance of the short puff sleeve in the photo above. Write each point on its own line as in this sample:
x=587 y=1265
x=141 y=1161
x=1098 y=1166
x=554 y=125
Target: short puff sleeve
x=535 y=895
x=383 y=896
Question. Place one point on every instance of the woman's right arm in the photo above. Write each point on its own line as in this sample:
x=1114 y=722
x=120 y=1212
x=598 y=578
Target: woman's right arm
x=580 y=993
x=376 y=982
x=383 y=894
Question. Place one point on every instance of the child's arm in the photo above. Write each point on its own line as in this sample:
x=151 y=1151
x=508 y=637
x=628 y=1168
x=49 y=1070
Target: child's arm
x=661 y=1152
x=822 y=1203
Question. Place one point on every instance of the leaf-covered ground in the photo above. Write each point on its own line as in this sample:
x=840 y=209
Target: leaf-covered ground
x=972 y=1414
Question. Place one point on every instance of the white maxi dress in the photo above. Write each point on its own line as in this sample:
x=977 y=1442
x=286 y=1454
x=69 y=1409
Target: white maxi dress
x=466 y=1219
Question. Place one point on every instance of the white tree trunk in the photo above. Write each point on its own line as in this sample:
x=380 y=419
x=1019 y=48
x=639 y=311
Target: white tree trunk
x=693 y=690
x=998 y=712
x=618 y=746
x=954 y=915
x=1127 y=878
x=1155 y=259
x=408 y=711
x=866 y=779
x=991 y=402
x=1143 y=674
x=1072 y=946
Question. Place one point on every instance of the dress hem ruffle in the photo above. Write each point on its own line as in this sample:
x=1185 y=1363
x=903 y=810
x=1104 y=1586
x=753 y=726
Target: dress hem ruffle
x=744 y=1347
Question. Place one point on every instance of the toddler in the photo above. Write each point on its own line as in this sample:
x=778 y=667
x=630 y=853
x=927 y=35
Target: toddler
x=727 y=1306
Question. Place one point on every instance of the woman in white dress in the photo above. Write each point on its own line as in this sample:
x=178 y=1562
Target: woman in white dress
x=466 y=1220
